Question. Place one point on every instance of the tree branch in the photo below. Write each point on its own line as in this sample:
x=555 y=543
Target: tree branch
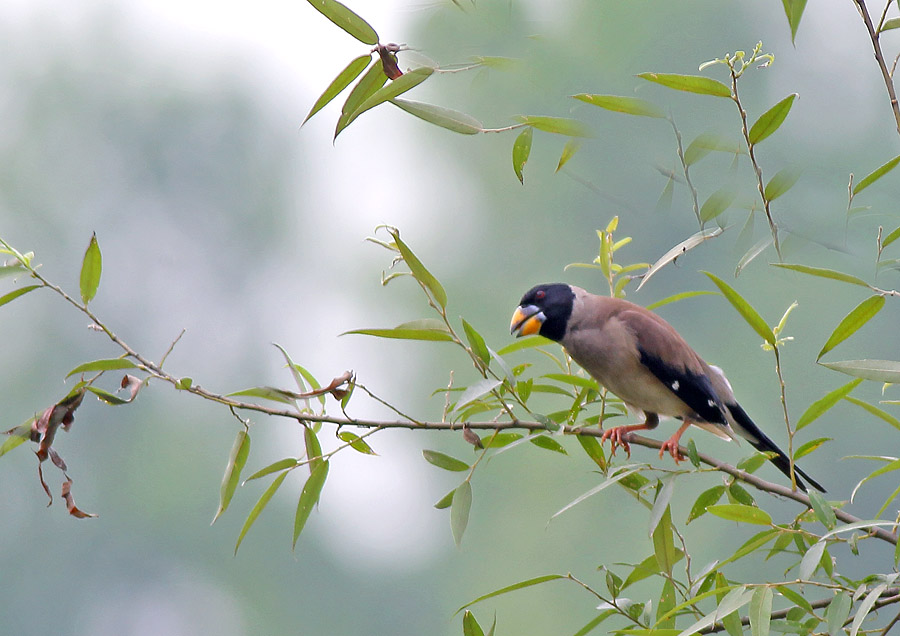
x=879 y=57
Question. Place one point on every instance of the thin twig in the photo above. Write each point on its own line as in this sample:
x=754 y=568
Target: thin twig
x=879 y=57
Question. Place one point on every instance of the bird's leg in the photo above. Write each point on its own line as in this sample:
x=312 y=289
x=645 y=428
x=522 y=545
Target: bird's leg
x=618 y=435
x=671 y=444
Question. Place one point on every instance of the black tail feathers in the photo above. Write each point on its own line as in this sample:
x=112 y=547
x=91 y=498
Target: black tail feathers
x=761 y=442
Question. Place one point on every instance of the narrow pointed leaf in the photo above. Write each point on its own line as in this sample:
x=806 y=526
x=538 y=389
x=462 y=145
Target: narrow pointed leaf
x=751 y=254
x=459 y=511
x=365 y=88
x=568 y=152
x=680 y=296
x=627 y=105
x=874 y=410
x=397 y=87
x=356 y=443
x=108 y=364
x=742 y=513
x=477 y=390
x=527 y=342
x=860 y=315
x=339 y=83
x=689 y=83
x=448 y=118
x=770 y=120
x=761 y=611
x=419 y=271
x=347 y=20
x=747 y=312
x=783 y=181
x=619 y=476
x=470 y=625
x=239 y=453
x=17 y=437
x=865 y=607
x=810 y=561
x=890 y=238
x=512 y=588
x=11 y=296
x=664 y=543
x=876 y=174
x=548 y=443
x=476 y=342
x=824 y=273
x=892 y=23
x=91 y=268
x=520 y=152
x=661 y=503
x=258 y=508
x=877 y=370
x=444 y=461
x=810 y=446
x=313 y=448
x=706 y=499
x=706 y=143
x=718 y=202
x=431 y=335
x=446 y=500
x=820 y=406
x=793 y=10
x=824 y=511
x=688 y=244
x=107 y=397
x=274 y=467
x=837 y=613
x=265 y=393
x=556 y=125
x=309 y=497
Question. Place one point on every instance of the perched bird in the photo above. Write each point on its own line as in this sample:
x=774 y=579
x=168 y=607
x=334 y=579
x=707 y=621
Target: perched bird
x=642 y=359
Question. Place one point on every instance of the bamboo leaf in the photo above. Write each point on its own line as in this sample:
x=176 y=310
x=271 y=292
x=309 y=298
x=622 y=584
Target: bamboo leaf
x=477 y=390
x=820 y=406
x=397 y=333
x=476 y=342
x=448 y=118
x=356 y=442
x=619 y=476
x=824 y=273
x=259 y=507
x=240 y=450
x=793 y=10
x=397 y=87
x=682 y=248
x=547 y=443
x=569 y=151
x=459 y=511
x=891 y=237
x=747 y=312
x=689 y=83
x=810 y=446
x=770 y=120
x=860 y=315
x=783 y=181
x=718 y=202
x=274 y=467
x=681 y=296
x=11 y=296
x=741 y=513
x=877 y=370
x=706 y=499
x=91 y=267
x=444 y=461
x=555 y=125
x=365 y=88
x=512 y=588
x=892 y=23
x=339 y=83
x=706 y=143
x=876 y=174
x=309 y=497
x=419 y=271
x=347 y=20
x=470 y=625
x=108 y=364
x=874 y=410
x=627 y=105
x=520 y=152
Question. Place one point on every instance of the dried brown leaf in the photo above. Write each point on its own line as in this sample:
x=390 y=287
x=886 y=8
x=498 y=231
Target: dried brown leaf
x=70 y=502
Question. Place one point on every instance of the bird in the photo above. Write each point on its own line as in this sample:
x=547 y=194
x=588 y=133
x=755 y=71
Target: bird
x=641 y=358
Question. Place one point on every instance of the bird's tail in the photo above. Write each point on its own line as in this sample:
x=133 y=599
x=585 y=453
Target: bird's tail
x=751 y=432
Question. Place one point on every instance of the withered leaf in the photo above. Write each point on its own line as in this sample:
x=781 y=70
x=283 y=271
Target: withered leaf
x=387 y=53
x=470 y=436
x=70 y=502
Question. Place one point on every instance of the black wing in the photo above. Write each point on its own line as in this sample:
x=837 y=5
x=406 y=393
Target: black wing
x=694 y=390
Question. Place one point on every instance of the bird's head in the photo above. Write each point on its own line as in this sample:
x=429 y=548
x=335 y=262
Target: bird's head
x=544 y=310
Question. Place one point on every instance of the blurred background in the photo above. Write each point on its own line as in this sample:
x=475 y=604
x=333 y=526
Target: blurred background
x=172 y=130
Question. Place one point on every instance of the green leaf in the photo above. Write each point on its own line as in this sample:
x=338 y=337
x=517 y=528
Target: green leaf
x=824 y=511
x=706 y=143
x=706 y=499
x=770 y=120
x=595 y=622
x=555 y=125
x=824 y=273
x=793 y=9
x=893 y=23
x=527 y=342
x=356 y=443
x=258 y=508
x=281 y=464
x=661 y=503
x=339 y=83
x=446 y=500
x=444 y=461
x=448 y=118
x=837 y=613
x=627 y=105
x=500 y=439
x=742 y=513
x=470 y=625
x=419 y=271
x=17 y=437
x=107 y=364
x=476 y=342
x=574 y=380
x=309 y=497
x=664 y=543
x=265 y=393
x=688 y=244
x=874 y=410
x=107 y=397
x=512 y=588
x=548 y=443
x=865 y=607
x=593 y=449
x=459 y=511
x=236 y=460
x=347 y=20
x=569 y=151
x=91 y=267
x=313 y=448
x=820 y=406
x=689 y=83
x=718 y=202
x=851 y=323
x=747 y=312
x=891 y=237
x=432 y=335
x=667 y=600
x=477 y=390
x=877 y=370
x=397 y=87
x=761 y=611
x=876 y=174
x=11 y=296
x=520 y=152
x=622 y=473
x=810 y=447
x=676 y=297
x=734 y=600
x=783 y=181
x=810 y=561
x=365 y=88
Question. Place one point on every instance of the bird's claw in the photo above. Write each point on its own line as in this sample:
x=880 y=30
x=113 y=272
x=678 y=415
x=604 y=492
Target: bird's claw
x=671 y=446
x=617 y=436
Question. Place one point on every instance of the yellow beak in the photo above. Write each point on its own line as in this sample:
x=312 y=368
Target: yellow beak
x=526 y=321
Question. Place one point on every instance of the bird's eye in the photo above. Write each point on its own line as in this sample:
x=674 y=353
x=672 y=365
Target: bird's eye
x=540 y=294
